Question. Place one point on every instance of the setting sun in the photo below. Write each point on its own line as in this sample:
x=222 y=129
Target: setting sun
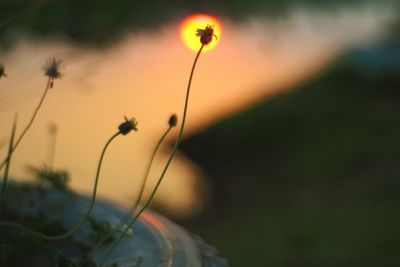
x=190 y=25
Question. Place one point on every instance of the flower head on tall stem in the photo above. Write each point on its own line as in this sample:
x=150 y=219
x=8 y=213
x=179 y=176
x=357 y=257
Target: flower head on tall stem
x=52 y=70
x=206 y=35
x=173 y=120
x=127 y=126
x=88 y=213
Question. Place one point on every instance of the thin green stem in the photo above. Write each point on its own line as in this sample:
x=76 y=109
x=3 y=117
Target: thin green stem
x=19 y=139
x=146 y=175
x=83 y=220
x=139 y=197
x=173 y=152
x=6 y=171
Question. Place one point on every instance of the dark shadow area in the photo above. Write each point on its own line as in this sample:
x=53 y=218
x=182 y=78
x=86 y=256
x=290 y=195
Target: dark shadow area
x=99 y=22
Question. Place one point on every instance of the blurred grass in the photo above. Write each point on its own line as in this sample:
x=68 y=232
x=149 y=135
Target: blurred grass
x=310 y=177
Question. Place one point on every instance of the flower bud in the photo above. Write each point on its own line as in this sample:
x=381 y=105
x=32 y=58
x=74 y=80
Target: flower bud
x=173 y=120
x=127 y=126
x=206 y=35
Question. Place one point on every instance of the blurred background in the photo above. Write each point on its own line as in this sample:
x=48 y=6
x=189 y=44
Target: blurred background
x=291 y=151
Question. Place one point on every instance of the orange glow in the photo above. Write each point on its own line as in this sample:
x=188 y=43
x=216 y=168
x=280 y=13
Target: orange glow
x=101 y=85
x=190 y=25
x=156 y=223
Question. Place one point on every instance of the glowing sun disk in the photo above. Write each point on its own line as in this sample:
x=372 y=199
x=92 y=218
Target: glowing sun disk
x=190 y=25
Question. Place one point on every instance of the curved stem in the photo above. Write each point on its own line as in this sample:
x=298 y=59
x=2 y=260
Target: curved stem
x=173 y=152
x=83 y=220
x=30 y=122
x=146 y=175
x=139 y=197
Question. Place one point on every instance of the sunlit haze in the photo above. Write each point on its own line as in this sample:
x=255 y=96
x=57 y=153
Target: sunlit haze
x=192 y=23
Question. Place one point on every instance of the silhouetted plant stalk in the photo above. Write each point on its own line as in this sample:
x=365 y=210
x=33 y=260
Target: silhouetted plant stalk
x=173 y=120
x=173 y=152
x=124 y=128
x=52 y=71
x=9 y=154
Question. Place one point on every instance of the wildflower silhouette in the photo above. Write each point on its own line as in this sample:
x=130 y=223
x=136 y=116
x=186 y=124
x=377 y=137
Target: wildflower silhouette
x=127 y=126
x=10 y=146
x=206 y=35
x=52 y=71
x=171 y=123
x=2 y=71
x=124 y=128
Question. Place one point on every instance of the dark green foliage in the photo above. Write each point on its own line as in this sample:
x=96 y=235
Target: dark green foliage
x=55 y=179
x=63 y=261
x=14 y=242
x=101 y=229
x=101 y=22
x=22 y=199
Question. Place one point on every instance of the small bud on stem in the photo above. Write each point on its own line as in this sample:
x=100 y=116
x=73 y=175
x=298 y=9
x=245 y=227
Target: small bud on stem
x=173 y=120
x=127 y=126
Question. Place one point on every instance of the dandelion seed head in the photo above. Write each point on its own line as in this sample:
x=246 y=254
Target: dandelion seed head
x=52 y=69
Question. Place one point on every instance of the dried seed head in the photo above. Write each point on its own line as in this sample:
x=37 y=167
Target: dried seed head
x=173 y=120
x=127 y=126
x=206 y=35
x=52 y=70
x=2 y=71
